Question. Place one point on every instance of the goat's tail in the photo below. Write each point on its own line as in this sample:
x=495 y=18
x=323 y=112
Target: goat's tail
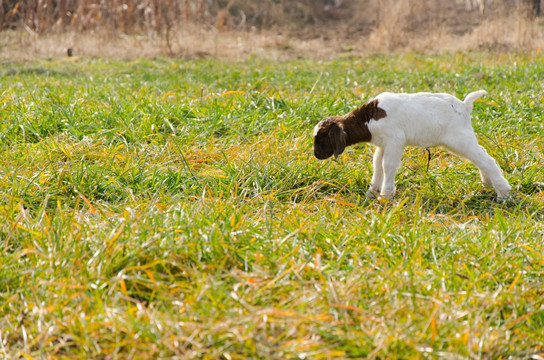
x=473 y=96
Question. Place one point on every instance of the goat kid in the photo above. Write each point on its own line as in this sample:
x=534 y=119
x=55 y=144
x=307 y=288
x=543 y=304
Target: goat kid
x=393 y=121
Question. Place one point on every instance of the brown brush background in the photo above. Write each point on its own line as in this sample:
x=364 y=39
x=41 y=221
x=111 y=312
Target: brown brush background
x=212 y=27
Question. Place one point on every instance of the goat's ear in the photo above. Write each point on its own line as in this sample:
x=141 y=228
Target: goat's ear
x=338 y=139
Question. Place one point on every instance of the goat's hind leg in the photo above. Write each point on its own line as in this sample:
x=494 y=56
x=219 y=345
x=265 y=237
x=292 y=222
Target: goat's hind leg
x=377 y=175
x=490 y=172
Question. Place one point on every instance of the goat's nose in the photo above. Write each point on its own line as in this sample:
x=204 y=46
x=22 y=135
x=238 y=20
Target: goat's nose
x=319 y=156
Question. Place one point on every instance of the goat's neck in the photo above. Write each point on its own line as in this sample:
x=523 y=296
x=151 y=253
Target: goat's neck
x=356 y=122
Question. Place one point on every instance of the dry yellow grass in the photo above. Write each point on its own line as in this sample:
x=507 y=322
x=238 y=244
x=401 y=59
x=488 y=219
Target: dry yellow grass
x=374 y=26
x=495 y=35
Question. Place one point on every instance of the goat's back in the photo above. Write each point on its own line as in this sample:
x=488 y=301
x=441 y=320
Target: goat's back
x=419 y=119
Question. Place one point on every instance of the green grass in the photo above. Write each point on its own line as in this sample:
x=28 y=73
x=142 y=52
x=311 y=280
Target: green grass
x=173 y=208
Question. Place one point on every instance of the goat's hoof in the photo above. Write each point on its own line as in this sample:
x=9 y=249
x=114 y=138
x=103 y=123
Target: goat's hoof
x=384 y=199
x=387 y=195
x=372 y=193
x=506 y=197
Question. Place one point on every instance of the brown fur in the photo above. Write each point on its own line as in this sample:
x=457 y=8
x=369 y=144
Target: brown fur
x=337 y=132
x=355 y=122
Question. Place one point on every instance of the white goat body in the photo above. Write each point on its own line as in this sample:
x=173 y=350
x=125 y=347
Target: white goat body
x=394 y=121
x=421 y=119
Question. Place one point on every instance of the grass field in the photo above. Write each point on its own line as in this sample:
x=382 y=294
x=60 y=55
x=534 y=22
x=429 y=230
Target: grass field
x=173 y=208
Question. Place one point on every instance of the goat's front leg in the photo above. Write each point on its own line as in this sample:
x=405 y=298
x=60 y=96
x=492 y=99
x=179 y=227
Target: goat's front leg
x=377 y=175
x=390 y=164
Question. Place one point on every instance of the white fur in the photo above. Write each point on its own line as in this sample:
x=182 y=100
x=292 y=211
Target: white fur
x=427 y=120
x=316 y=129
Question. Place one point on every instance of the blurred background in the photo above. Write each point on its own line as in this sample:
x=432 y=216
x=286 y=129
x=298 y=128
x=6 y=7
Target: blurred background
x=272 y=28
